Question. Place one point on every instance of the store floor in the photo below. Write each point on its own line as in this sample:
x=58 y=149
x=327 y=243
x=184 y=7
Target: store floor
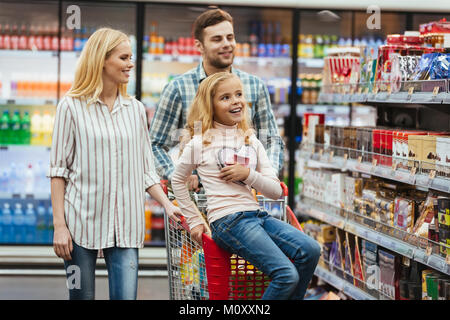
x=54 y=288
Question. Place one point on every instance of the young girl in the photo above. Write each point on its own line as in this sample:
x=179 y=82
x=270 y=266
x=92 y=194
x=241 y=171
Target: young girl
x=101 y=165
x=230 y=160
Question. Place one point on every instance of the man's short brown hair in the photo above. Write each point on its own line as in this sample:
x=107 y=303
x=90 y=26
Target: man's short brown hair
x=209 y=18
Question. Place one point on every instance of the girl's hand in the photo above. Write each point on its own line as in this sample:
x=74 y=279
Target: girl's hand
x=192 y=183
x=235 y=172
x=173 y=211
x=197 y=231
x=62 y=243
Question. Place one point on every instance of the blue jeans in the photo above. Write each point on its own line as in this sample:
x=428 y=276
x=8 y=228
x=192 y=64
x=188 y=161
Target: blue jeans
x=269 y=244
x=122 y=265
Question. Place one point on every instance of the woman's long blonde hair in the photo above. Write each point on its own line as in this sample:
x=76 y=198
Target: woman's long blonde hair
x=202 y=110
x=88 y=81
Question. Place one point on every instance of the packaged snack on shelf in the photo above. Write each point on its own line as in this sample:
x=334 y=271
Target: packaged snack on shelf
x=369 y=253
x=404 y=214
x=340 y=239
x=421 y=227
x=389 y=274
x=425 y=273
x=357 y=266
x=415 y=149
x=443 y=156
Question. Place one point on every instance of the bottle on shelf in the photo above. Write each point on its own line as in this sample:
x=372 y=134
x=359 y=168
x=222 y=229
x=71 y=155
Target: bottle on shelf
x=1 y=37
x=23 y=38
x=25 y=126
x=41 y=223
x=7 y=37
x=14 y=128
x=18 y=224
x=30 y=224
x=36 y=129
x=15 y=37
x=47 y=128
x=5 y=128
x=8 y=231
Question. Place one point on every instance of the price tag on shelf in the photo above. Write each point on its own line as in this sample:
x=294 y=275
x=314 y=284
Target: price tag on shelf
x=394 y=165
x=374 y=165
x=412 y=175
x=429 y=250
x=410 y=92
x=432 y=174
x=330 y=159
x=435 y=91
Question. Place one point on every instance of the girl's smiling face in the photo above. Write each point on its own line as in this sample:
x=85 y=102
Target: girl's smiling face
x=229 y=102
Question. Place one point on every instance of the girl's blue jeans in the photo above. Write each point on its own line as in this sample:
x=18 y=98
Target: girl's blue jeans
x=122 y=265
x=270 y=244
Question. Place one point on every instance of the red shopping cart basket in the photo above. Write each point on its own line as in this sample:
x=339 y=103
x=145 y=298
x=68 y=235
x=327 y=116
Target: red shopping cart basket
x=209 y=272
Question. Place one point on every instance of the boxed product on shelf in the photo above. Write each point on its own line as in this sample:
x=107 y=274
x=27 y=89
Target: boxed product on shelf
x=443 y=208
x=342 y=66
x=404 y=214
x=389 y=274
x=359 y=279
x=443 y=156
x=369 y=253
x=310 y=120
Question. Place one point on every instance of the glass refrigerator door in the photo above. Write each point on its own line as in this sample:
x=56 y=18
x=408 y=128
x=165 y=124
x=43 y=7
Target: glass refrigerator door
x=28 y=96
x=92 y=16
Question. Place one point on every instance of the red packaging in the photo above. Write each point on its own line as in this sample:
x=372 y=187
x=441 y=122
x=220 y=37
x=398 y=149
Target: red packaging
x=441 y=26
x=386 y=146
x=376 y=144
x=306 y=116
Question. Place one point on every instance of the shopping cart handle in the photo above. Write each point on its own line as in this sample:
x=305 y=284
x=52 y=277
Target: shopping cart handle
x=285 y=189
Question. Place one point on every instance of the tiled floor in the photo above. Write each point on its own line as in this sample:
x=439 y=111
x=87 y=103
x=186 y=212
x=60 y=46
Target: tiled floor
x=54 y=288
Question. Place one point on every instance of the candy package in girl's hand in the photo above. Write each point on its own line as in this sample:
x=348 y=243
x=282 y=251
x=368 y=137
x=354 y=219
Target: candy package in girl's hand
x=422 y=71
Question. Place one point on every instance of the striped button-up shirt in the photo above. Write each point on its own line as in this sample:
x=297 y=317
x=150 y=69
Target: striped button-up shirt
x=178 y=95
x=107 y=162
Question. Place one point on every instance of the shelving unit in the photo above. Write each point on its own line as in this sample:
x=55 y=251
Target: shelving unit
x=333 y=216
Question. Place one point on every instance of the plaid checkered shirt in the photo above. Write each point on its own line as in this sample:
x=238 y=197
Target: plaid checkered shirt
x=178 y=95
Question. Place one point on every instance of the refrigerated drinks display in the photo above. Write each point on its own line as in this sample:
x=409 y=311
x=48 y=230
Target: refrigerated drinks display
x=28 y=96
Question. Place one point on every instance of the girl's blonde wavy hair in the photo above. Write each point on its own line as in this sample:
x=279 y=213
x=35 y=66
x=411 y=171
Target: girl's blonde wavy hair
x=202 y=110
x=88 y=81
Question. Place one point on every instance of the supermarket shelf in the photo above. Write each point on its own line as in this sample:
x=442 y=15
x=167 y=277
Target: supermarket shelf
x=407 y=92
x=44 y=255
x=327 y=214
x=28 y=102
x=327 y=160
x=260 y=61
x=28 y=54
x=341 y=284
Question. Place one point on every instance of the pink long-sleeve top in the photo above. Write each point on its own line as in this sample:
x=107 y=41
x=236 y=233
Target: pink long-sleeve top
x=227 y=147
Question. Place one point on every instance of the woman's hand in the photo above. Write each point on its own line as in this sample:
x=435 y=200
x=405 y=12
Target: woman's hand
x=62 y=242
x=197 y=231
x=173 y=211
x=192 y=183
x=235 y=172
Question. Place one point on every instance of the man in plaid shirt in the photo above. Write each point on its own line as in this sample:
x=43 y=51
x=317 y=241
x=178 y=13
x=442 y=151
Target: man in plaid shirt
x=214 y=37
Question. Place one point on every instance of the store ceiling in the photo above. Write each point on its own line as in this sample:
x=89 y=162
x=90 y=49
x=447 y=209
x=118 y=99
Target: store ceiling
x=385 y=5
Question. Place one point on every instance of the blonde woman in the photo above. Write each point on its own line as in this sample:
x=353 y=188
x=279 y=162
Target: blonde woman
x=101 y=165
x=230 y=161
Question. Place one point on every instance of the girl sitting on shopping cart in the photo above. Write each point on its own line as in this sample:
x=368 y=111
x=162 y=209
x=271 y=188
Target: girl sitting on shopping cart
x=230 y=161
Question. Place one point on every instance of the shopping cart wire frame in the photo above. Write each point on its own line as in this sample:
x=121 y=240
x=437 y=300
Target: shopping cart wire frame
x=206 y=271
